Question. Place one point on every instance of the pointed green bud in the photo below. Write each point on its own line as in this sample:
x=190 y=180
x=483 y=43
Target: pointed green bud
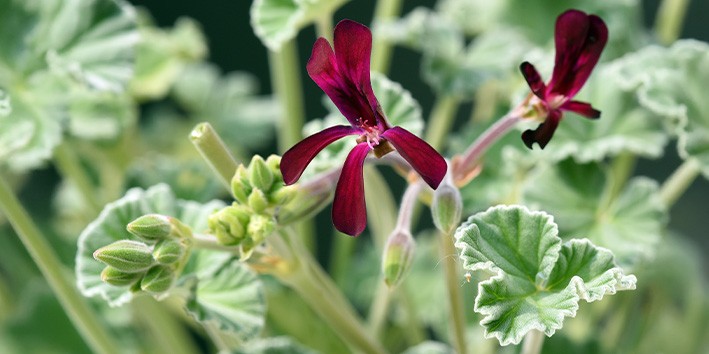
x=116 y=277
x=158 y=280
x=305 y=203
x=229 y=224
x=397 y=257
x=126 y=256
x=282 y=195
x=151 y=227
x=168 y=251
x=260 y=175
x=258 y=201
x=274 y=163
x=240 y=186
x=447 y=207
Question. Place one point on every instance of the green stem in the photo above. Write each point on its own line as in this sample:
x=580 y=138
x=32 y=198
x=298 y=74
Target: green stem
x=382 y=214
x=70 y=168
x=679 y=181
x=323 y=296
x=386 y=10
x=456 y=307
x=168 y=335
x=323 y=26
x=85 y=320
x=533 y=342
x=213 y=150
x=379 y=309
x=669 y=20
x=441 y=120
x=341 y=258
x=285 y=78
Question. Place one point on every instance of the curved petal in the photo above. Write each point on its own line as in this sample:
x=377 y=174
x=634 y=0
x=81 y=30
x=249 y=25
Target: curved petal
x=422 y=157
x=534 y=80
x=579 y=39
x=353 y=51
x=322 y=68
x=542 y=135
x=349 y=210
x=582 y=108
x=297 y=158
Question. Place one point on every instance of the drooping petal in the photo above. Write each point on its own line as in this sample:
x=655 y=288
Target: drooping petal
x=353 y=51
x=534 y=80
x=582 y=108
x=322 y=68
x=297 y=158
x=349 y=210
x=422 y=157
x=579 y=40
x=544 y=131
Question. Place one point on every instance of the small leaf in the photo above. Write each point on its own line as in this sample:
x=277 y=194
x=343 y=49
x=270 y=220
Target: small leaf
x=278 y=21
x=630 y=223
x=538 y=280
x=273 y=345
x=110 y=226
x=398 y=105
x=228 y=294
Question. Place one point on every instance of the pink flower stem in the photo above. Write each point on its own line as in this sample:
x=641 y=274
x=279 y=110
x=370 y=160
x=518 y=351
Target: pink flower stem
x=464 y=164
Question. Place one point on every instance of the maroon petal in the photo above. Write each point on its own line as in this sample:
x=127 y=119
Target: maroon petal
x=322 y=68
x=422 y=157
x=349 y=211
x=582 y=108
x=353 y=51
x=579 y=39
x=297 y=158
x=544 y=131
x=534 y=80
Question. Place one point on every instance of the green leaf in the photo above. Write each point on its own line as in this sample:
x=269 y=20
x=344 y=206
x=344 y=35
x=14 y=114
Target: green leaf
x=273 y=345
x=670 y=82
x=400 y=108
x=163 y=54
x=56 y=54
x=538 y=280
x=227 y=293
x=110 y=226
x=628 y=221
x=278 y=21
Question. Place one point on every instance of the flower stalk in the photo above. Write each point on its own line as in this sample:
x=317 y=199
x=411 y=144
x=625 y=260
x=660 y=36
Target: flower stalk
x=441 y=120
x=673 y=188
x=79 y=312
x=669 y=20
x=384 y=11
x=213 y=150
x=285 y=78
x=533 y=342
x=449 y=256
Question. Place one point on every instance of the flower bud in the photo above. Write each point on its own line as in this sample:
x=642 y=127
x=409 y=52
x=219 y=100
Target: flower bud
x=260 y=175
x=259 y=227
x=168 y=251
x=258 y=201
x=282 y=194
x=397 y=257
x=240 y=186
x=126 y=256
x=158 y=279
x=447 y=207
x=151 y=227
x=116 y=277
x=274 y=163
x=304 y=203
x=229 y=224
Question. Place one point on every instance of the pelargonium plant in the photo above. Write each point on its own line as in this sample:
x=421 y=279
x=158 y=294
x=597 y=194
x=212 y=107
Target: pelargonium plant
x=188 y=203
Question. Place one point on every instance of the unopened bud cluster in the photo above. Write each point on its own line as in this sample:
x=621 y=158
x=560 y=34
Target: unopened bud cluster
x=259 y=192
x=151 y=264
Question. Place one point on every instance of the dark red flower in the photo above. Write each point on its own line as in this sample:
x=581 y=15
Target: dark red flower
x=579 y=40
x=344 y=76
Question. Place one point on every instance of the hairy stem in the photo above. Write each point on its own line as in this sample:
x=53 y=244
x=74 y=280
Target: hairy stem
x=441 y=120
x=449 y=255
x=669 y=20
x=213 y=150
x=533 y=342
x=465 y=163
x=381 y=50
x=679 y=181
x=70 y=168
x=81 y=315
x=285 y=78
